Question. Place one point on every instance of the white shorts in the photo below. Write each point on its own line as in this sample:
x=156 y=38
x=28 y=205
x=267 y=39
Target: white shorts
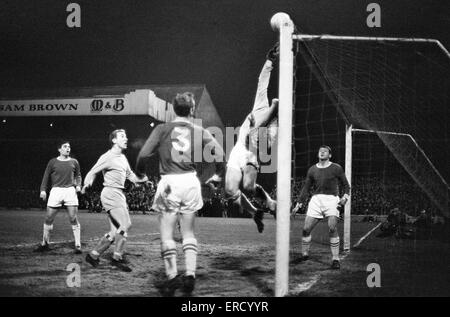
x=59 y=196
x=113 y=198
x=322 y=205
x=240 y=157
x=178 y=193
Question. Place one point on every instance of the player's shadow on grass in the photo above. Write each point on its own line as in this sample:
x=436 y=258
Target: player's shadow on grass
x=258 y=276
x=230 y=262
x=58 y=248
x=317 y=261
x=247 y=266
x=159 y=279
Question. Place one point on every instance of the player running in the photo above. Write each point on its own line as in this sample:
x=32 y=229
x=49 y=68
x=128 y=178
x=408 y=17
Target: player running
x=179 y=195
x=325 y=177
x=63 y=172
x=116 y=169
x=243 y=166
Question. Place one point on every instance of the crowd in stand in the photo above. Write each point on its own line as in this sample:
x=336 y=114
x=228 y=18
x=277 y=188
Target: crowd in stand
x=426 y=225
x=370 y=196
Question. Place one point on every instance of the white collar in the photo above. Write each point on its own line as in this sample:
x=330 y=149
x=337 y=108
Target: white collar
x=328 y=165
x=181 y=119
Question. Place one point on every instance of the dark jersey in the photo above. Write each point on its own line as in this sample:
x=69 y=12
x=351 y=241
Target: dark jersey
x=61 y=174
x=180 y=146
x=325 y=181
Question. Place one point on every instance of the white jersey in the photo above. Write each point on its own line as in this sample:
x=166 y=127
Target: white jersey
x=115 y=168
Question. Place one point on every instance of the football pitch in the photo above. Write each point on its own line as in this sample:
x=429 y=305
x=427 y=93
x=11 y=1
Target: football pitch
x=234 y=260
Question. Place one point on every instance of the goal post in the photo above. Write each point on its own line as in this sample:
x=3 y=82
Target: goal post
x=348 y=175
x=284 y=25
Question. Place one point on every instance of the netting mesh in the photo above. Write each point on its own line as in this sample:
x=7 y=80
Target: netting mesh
x=393 y=86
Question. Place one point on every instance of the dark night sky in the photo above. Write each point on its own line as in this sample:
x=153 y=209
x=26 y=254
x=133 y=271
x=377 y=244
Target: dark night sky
x=221 y=44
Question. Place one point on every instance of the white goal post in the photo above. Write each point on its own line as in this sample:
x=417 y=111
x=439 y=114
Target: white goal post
x=284 y=24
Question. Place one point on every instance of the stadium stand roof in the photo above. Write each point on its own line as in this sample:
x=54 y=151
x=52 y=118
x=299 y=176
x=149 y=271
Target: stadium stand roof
x=153 y=100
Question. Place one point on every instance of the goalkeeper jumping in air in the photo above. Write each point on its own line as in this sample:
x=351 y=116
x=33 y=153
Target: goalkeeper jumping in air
x=242 y=166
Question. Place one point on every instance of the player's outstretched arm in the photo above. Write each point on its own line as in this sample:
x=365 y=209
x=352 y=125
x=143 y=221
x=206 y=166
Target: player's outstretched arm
x=101 y=164
x=135 y=179
x=88 y=181
x=261 y=98
x=138 y=180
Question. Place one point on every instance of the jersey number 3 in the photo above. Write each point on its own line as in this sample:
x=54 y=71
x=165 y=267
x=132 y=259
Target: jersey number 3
x=182 y=143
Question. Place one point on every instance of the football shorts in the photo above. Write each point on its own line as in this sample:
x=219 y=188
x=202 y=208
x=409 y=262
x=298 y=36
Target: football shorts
x=113 y=198
x=59 y=196
x=321 y=206
x=179 y=193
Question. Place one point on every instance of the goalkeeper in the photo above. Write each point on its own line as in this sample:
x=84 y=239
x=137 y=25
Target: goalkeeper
x=326 y=177
x=242 y=166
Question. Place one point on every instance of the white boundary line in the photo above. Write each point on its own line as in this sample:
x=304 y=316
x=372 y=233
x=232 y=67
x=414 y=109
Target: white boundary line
x=366 y=235
x=303 y=287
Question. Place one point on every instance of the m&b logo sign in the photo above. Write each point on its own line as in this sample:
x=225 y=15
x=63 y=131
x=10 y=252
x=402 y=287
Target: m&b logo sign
x=99 y=105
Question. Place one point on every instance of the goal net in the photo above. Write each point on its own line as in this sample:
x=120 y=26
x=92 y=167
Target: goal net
x=394 y=94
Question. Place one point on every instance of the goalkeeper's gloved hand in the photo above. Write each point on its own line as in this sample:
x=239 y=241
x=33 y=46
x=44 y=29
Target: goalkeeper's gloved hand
x=272 y=55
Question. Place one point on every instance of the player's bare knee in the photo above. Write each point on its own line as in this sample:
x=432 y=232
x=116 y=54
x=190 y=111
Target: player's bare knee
x=187 y=232
x=48 y=220
x=332 y=229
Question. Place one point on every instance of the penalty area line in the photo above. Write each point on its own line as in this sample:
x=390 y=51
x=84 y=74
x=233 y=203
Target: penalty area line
x=366 y=235
x=303 y=287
